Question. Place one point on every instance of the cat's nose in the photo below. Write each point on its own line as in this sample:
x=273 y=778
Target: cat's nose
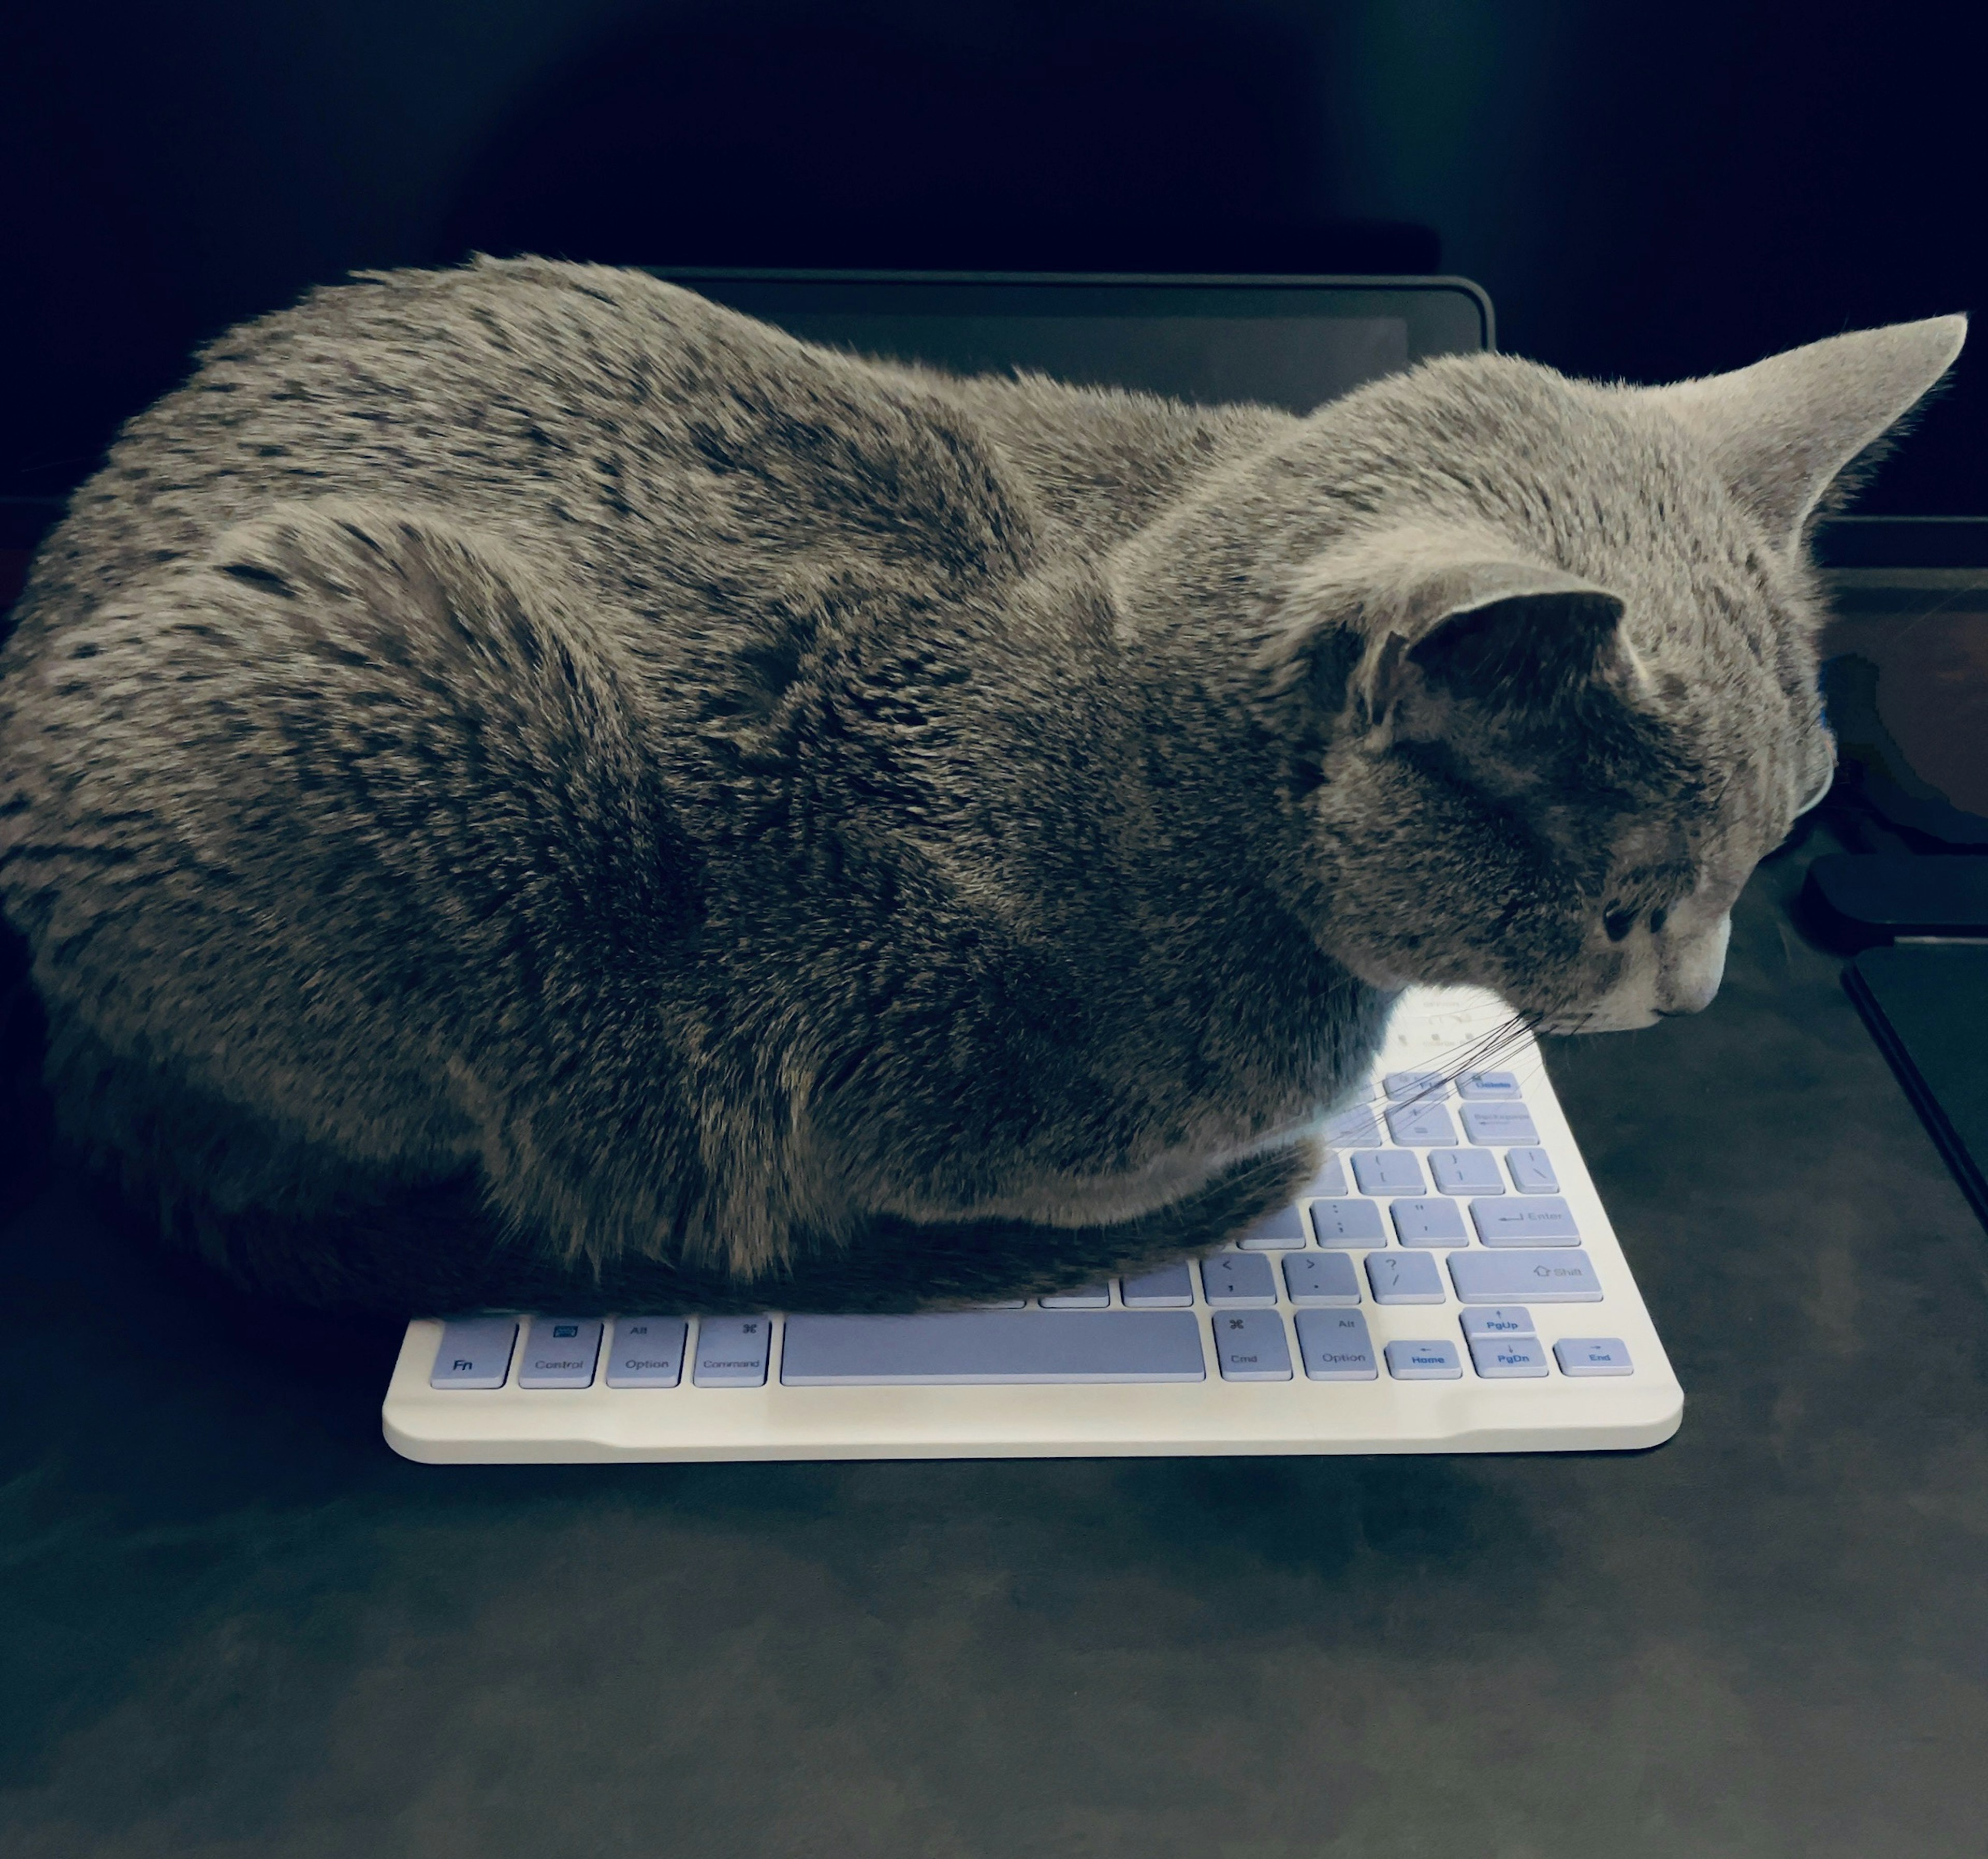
x=1690 y=977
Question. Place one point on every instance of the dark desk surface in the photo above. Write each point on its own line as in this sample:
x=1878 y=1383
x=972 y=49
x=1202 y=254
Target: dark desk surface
x=234 y=1624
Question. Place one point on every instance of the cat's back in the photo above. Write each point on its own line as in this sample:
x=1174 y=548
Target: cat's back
x=632 y=433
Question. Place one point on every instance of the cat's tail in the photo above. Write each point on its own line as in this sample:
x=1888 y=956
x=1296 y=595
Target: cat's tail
x=895 y=1265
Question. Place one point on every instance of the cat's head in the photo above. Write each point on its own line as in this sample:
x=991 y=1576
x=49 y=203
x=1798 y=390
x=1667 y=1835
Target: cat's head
x=1550 y=692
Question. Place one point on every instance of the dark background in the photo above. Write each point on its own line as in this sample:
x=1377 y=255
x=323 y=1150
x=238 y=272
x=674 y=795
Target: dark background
x=1645 y=192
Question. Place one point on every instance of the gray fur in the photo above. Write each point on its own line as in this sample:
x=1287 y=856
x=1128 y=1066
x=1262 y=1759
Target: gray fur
x=520 y=781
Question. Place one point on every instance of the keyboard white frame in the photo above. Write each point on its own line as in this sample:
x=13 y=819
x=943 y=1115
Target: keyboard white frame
x=1554 y=1413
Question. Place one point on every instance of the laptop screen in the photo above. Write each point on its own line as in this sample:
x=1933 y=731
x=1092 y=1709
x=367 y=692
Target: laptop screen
x=1285 y=343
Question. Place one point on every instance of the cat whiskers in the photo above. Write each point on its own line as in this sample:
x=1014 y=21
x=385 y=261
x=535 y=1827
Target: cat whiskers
x=1482 y=1053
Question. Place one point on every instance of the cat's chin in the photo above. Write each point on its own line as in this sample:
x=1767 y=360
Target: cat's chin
x=1605 y=1018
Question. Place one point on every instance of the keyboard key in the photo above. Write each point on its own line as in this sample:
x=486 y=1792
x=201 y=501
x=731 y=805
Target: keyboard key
x=1250 y=1347
x=1276 y=1232
x=1539 y=1277
x=560 y=1352
x=1403 y=1278
x=961 y=1347
x=1347 y=1223
x=646 y=1352
x=1498 y=1319
x=1430 y=1221
x=1321 y=1278
x=1544 y=1220
x=731 y=1350
x=1388 y=1172
x=1238 y=1278
x=1401 y=1086
x=1168 y=1288
x=1421 y=1124
x=1492 y=1086
x=475 y=1352
x=1592 y=1355
x=1508 y=1358
x=1532 y=1171
x=1330 y=1180
x=1088 y=1297
x=1432 y=1361
x=1352 y=1129
x=1466 y=1171
x=1335 y=1346
x=1499 y=1123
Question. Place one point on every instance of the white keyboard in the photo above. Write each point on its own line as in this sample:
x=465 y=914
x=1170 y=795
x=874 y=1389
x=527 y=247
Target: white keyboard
x=1448 y=1283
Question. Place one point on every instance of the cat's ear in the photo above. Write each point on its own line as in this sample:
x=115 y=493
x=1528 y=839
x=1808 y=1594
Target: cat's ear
x=1781 y=431
x=1523 y=639
x=1377 y=629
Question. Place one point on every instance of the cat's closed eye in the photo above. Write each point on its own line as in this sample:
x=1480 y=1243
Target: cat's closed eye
x=1618 y=922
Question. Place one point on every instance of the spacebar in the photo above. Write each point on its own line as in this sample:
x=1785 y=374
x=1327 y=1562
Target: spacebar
x=966 y=1347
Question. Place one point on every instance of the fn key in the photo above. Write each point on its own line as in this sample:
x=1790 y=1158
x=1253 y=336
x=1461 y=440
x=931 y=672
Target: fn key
x=475 y=1352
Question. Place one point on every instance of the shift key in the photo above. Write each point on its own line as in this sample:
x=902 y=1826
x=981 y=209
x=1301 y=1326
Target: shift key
x=1554 y=1277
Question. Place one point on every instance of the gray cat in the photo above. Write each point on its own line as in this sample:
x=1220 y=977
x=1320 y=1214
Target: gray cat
x=522 y=785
